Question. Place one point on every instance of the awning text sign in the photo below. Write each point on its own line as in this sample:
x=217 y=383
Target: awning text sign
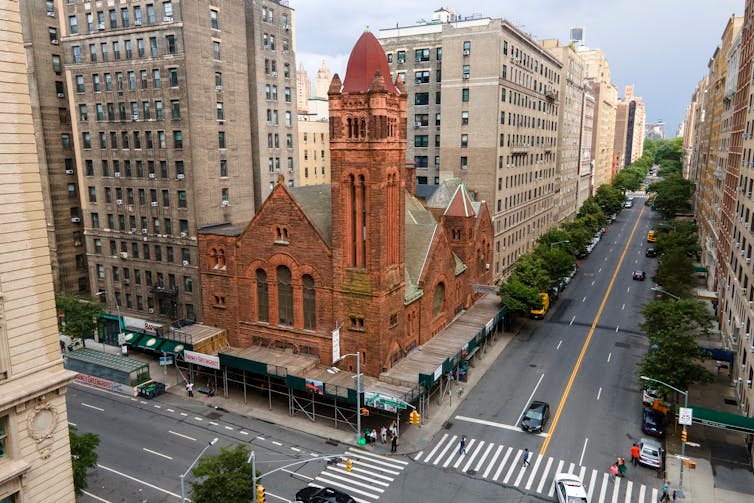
x=210 y=361
x=383 y=402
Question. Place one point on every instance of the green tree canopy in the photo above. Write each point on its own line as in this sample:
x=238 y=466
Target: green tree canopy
x=672 y=196
x=628 y=179
x=557 y=261
x=83 y=456
x=609 y=198
x=674 y=271
x=225 y=477
x=518 y=297
x=677 y=235
x=79 y=316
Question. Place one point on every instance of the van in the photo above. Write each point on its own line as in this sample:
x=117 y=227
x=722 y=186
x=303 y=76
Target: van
x=539 y=314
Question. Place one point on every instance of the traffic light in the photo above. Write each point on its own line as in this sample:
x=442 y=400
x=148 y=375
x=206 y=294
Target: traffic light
x=364 y=411
x=414 y=417
x=260 y=494
x=349 y=465
x=683 y=435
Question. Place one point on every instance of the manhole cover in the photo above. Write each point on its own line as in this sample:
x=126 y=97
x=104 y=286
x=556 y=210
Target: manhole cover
x=214 y=415
x=447 y=425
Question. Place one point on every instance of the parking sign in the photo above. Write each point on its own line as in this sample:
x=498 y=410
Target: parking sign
x=685 y=416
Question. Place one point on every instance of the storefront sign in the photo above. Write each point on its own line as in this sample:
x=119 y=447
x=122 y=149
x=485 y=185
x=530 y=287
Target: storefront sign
x=107 y=384
x=210 y=361
x=383 y=402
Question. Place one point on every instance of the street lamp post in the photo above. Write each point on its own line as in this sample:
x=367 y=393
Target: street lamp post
x=183 y=476
x=553 y=245
x=660 y=290
x=683 y=438
x=357 y=354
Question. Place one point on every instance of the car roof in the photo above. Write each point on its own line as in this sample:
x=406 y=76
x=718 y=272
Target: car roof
x=650 y=443
x=573 y=484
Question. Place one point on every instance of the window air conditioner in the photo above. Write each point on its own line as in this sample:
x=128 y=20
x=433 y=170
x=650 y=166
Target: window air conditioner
x=124 y=255
x=117 y=174
x=466 y=76
x=185 y=263
x=119 y=202
x=218 y=88
x=180 y=176
x=466 y=52
x=154 y=204
x=167 y=19
x=274 y=74
x=101 y=26
x=61 y=95
x=76 y=220
x=54 y=41
x=152 y=176
x=225 y=204
x=151 y=310
x=51 y=13
x=69 y=172
x=183 y=234
x=143 y=231
x=137 y=22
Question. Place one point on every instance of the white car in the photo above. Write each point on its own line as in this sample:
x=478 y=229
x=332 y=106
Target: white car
x=650 y=453
x=570 y=489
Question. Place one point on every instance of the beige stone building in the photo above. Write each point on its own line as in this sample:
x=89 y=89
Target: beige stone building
x=35 y=457
x=57 y=162
x=322 y=82
x=597 y=73
x=314 y=144
x=303 y=89
x=630 y=117
x=586 y=162
x=455 y=70
x=160 y=143
x=570 y=115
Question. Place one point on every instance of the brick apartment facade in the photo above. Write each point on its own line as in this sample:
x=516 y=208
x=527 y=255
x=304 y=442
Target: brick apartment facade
x=362 y=254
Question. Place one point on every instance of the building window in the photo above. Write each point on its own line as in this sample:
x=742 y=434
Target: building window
x=175 y=109
x=223 y=168
x=466 y=71
x=285 y=296
x=438 y=54
x=221 y=139
x=421 y=140
x=57 y=66
x=73 y=24
x=153 y=46
x=464 y=162
x=467 y=47
x=215 y=49
x=464 y=141
x=422 y=77
x=213 y=21
x=173 y=77
x=421 y=55
x=438 y=299
x=421 y=161
x=310 y=307
x=401 y=57
x=421 y=99
x=220 y=111
x=182 y=203
x=171 y=43
x=177 y=139
x=465 y=94
x=465 y=118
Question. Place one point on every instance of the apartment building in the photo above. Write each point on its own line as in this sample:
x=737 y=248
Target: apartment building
x=35 y=455
x=630 y=117
x=571 y=92
x=597 y=72
x=314 y=145
x=57 y=162
x=182 y=114
x=586 y=162
x=455 y=69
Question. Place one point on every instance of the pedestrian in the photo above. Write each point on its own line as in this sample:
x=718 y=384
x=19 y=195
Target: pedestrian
x=373 y=436
x=613 y=471
x=665 y=497
x=394 y=443
x=622 y=467
x=462 y=446
x=393 y=428
x=383 y=434
x=635 y=454
x=525 y=458
x=190 y=389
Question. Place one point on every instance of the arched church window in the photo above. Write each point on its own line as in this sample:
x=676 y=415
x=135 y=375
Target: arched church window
x=310 y=306
x=285 y=296
x=438 y=299
x=263 y=313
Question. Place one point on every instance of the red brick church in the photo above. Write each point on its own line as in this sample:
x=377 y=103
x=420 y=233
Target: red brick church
x=362 y=254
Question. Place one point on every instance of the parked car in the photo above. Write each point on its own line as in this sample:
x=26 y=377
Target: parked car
x=651 y=252
x=570 y=489
x=323 y=495
x=653 y=422
x=650 y=453
x=639 y=275
x=536 y=417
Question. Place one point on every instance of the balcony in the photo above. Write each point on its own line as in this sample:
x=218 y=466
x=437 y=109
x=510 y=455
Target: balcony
x=164 y=291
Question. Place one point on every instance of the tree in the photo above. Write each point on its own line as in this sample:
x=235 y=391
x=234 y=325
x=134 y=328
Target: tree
x=83 y=456
x=557 y=261
x=628 y=179
x=685 y=315
x=673 y=273
x=79 y=316
x=610 y=199
x=530 y=269
x=677 y=235
x=672 y=196
x=225 y=477
x=518 y=297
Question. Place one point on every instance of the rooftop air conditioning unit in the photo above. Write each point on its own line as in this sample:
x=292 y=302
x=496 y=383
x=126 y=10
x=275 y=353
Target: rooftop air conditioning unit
x=154 y=205
x=117 y=174
x=76 y=220
x=152 y=176
x=180 y=176
x=124 y=255
x=183 y=234
x=69 y=172
x=119 y=202
x=185 y=263
x=61 y=95
x=54 y=41
x=143 y=231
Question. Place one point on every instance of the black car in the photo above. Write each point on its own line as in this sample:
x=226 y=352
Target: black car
x=653 y=422
x=536 y=417
x=651 y=252
x=639 y=275
x=323 y=495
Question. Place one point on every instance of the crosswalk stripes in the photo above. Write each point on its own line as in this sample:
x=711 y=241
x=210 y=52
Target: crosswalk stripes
x=371 y=474
x=504 y=464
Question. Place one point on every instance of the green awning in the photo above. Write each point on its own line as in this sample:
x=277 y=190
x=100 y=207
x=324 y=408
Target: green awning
x=724 y=420
x=132 y=338
x=700 y=268
x=169 y=346
x=149 y=342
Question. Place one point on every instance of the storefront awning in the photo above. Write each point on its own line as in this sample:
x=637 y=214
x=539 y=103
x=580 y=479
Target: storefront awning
x=149 y=342
x=132 y=338
x=724 y=420
x=172 y=347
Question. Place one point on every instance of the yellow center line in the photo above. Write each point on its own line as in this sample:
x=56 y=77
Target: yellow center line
x=576 y=367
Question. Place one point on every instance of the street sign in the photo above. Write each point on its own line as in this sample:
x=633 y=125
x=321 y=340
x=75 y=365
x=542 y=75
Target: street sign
x=166 y=360
x=692 y=444
x=685 y=416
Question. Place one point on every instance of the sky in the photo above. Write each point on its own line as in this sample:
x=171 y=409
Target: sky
x=660 y=46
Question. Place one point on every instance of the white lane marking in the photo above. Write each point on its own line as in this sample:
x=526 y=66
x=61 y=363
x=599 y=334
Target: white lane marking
x=138 y=481
x=629 y=488
x=600 y=269
x=213 y=423
x=616 y=329
x=143 y=402
x=559 y=469
x=350 y=489
x=609 y=355
x=544 y=475
x=296 y=449
x=583 y=300
x=341 y=468
x=492 y=463
x=391 y=461
x=586 y=441
x=484 y=456
x=157 y=453
x=623 y=307
x=616 y=488
x=533 y=473
x=591 y=484
x=473 y=456
x=526 y=405
x=559 y=344
x=655 y=495
x=514 y=463
x=432 y=452
x=244 y=432
x=95 y=497
x=642 y=493
x=582 y=472
x=599 y=394
x=157 y=406
x=170 y=410
x=198 y=419
x=442 y=453
x=92 y=407
x=260 y=438
x=502 y=463
x=72 y=424
x=417 y=457
x=636 y=261
x=184 y=414
x=594 y=282
x=603 y=489
x=573 y=319
x=181 y=435
x=605 y=259
x=570 y=468
x=370 y=475
x=277 y=443
x=496 y=425
x=628 y=289
x=229 y=428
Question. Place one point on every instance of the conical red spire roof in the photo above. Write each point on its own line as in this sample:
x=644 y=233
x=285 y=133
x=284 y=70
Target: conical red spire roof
x=367 y=58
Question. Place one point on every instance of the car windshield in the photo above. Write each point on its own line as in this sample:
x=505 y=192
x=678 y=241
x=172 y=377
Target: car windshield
x=576 y=499
x=534 y=414
x=650 y=451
